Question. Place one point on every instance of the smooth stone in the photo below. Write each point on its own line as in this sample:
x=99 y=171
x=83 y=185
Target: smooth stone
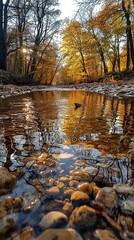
x=73 y=183
x=7 y=180
x=64 y=179
x=53 y=219
x=83 y=217
x=86 y=187
x=81 y=176
x=68 y=207
x=91 y=170
x=124 y=189
x=54 y=191
x=101 y=234
x=26 y=234
x=42 y=157
x=60 y=234
x=79 y=196
x=127 y=207
x=126 y=222
x=68 y=192
x=107 y=196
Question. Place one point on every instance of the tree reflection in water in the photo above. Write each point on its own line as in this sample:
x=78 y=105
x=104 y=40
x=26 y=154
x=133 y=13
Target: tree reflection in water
x=46 y=120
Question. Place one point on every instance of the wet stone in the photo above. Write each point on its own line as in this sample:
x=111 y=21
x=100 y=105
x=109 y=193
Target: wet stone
x=101 y=234
x=107 y=196
x=53 y=219
x=81 y=176
x=26 y=234
x=83 y=217
x=60 y=234
x=86 y=187
x=127 y=207
x=68 y=207
x=42 y=157
x=124 y=189
x=53 y=191
x=91 y=170
x=79 y=197
x=68 y=192
x=127 y=222
x=73 y=183
x=7 y=181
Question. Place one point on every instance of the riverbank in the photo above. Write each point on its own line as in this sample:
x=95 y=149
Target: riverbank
x=121 y=88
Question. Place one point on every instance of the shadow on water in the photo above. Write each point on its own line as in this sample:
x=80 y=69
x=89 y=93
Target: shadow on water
x=47 y=136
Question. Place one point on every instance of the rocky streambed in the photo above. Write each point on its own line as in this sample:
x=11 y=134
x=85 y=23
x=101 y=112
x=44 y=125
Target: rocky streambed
x=40 y=202
x=90 y=197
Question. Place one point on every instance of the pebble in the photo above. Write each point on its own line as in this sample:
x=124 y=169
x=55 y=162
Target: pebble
x=127 y=207
x=86 y=187
x=60 y=234
x=53 y=219
x=68 y=192
x=101 y=234
x=80 y=197
x=7 y=180
x=68 y=207
x=83 y=217
x=8 y=203
x=81 y=176
x=26 y=234
x=73 y=183
x=91 y=170
x=126 y=222
x=107 y=196
x=53 y=191
x=42 y=157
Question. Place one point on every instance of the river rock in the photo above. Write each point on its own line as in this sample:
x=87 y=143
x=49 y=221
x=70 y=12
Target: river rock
x=91 y=170
x=101 y=234
x=81 y=176
x=86 y=187
x=68 y=207
x=73 y=183
x=107 y=196
x=124 y=189
x=127 y=222
x=80 y=197
x=127 y=207
x=53 y=219
x=7 y=180
x=60 y=234
x=83 y=217
x=42 y=157
x=53 y=191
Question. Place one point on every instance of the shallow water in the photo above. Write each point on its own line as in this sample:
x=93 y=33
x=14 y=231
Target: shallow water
x=87 y=138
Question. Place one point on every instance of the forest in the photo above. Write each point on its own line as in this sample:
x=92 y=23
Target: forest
x=36 y=44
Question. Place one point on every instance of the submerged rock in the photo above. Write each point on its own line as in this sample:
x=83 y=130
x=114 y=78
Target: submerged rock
x=53 y=219
x=124 y=189
x=7 y=180
x=80 y=197
x=60 y=234
x=128 y=207
x=101 y=234
x=107 y=196
x=83 y=217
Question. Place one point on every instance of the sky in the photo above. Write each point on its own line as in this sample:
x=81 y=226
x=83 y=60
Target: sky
x=67 y=8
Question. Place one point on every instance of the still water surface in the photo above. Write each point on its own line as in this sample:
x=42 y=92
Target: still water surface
x=44 y=137
x=49 y=121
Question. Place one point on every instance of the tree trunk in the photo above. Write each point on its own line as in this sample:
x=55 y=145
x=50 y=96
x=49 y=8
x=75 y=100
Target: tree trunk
x=130 y=45
x=3 y=49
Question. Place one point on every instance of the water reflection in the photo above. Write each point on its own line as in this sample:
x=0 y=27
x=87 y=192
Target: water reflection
x=31 y=122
